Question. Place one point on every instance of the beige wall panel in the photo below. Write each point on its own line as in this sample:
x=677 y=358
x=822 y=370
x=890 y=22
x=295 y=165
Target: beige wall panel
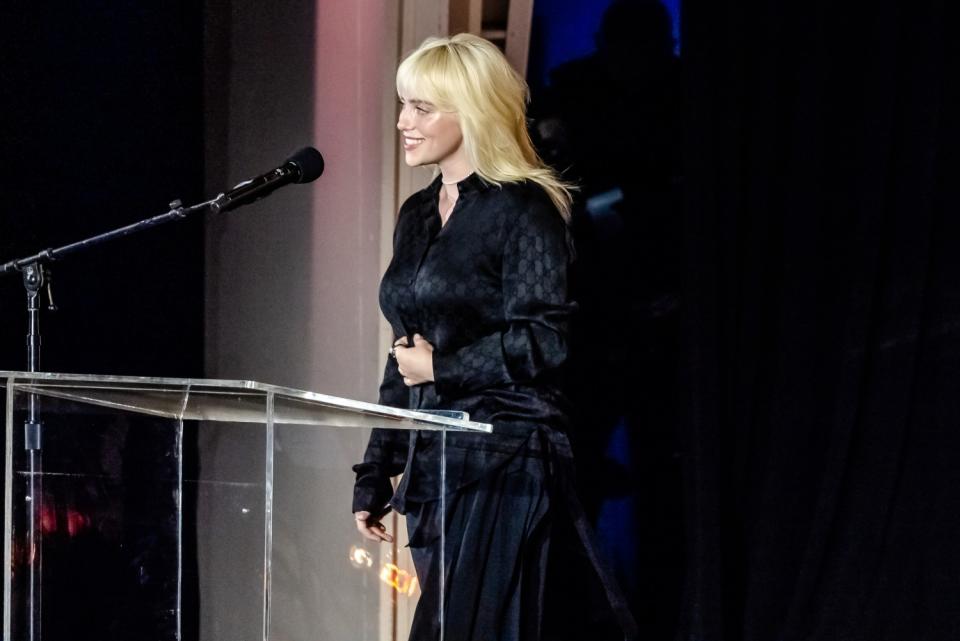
x=292 y=294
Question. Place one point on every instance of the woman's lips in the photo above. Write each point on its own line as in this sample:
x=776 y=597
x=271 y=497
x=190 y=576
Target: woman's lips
x=411 y=143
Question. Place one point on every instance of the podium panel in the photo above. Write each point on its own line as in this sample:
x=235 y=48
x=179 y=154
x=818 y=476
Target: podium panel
x=175 y=509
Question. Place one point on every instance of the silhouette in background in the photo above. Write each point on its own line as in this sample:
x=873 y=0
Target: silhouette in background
x=610 y=121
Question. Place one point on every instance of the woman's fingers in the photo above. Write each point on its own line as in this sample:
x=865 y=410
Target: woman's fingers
x=381 y=532
x=420 y=341
x=371 y=530
x=414 y=362
x=376 y=532
x=360 y=518
x=364 y=530
x=367 y=534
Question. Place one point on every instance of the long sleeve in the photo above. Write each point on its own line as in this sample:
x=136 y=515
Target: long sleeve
x=537 y=311
x=386 y=453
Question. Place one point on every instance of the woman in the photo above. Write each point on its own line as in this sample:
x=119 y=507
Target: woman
x=477 y=295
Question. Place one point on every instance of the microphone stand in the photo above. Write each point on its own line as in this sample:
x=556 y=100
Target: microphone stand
x=36 y=274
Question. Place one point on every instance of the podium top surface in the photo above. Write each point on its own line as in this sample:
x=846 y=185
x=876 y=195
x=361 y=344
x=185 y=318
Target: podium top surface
x=228 y=401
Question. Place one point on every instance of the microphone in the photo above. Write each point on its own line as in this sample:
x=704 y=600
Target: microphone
x=304 y=166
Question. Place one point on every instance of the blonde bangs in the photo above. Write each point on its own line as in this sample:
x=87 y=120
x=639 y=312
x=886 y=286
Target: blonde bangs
x=427 y=75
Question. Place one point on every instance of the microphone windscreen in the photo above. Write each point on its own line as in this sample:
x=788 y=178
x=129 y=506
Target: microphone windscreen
x=310 y=163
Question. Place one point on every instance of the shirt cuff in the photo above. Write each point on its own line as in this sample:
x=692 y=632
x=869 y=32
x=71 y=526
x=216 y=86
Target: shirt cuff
x=372 y=491
x=447 y=377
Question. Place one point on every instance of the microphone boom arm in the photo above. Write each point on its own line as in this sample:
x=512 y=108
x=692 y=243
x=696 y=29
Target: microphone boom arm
x=305 y=165
x=177 y=212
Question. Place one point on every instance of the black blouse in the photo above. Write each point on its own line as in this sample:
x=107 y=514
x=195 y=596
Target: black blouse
x=489 y=291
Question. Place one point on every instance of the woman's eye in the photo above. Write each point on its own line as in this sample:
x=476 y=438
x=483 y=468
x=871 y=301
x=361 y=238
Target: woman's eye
x=422 y=110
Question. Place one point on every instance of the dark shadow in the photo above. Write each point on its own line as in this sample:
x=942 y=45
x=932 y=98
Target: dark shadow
x=610 y=122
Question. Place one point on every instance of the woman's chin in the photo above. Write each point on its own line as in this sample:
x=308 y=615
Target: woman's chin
x=413 y=159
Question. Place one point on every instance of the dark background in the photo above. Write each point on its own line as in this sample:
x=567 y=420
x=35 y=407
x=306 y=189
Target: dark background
x=776 y=294
x=822 y=329
x=611 y=119
x=103 y=126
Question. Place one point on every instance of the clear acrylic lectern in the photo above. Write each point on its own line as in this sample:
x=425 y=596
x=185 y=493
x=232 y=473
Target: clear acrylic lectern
x=175 y=509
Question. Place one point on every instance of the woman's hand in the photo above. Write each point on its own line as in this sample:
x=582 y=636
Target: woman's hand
x=371 y=529
x=415 y=362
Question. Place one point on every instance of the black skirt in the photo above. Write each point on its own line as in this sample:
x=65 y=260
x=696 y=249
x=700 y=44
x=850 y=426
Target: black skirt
x=520 y=562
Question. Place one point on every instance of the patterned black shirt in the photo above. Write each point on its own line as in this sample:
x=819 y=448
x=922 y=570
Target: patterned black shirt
x=489 y=291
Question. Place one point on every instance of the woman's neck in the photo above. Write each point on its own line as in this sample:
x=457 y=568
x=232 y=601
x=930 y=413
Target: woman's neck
x=450 y=191
x=455 y=168
x=448 y=179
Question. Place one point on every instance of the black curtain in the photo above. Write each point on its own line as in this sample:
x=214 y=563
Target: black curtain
x=102 y=125
x=822 y=307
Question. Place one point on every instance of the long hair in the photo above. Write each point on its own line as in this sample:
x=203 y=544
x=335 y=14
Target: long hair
x=470 y=76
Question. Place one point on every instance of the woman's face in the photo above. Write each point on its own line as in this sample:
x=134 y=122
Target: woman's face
x=429 y=135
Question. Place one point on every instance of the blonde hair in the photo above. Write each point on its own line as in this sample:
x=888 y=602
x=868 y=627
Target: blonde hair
x=470 y=76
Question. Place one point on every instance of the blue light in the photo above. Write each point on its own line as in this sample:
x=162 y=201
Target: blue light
x=565 y=30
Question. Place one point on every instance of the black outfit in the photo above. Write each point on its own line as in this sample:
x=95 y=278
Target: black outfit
x=489 y=291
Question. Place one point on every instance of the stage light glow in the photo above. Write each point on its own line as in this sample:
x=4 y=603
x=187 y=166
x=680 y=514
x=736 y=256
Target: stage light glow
x=360 y=558
x=76 y=522
x=48 y=520
x=400 y=580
